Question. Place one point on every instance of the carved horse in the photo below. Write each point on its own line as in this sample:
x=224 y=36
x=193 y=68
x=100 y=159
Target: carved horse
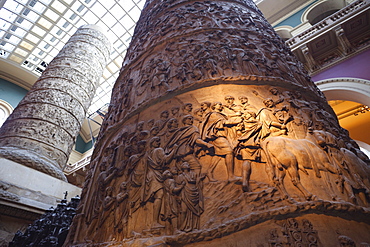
x=356 y=174
x=291 y=155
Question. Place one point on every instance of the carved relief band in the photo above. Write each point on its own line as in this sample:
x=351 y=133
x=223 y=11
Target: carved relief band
x=42 y=129
x=214 y=130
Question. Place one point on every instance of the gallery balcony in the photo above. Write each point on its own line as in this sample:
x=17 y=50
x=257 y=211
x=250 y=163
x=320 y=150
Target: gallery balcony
x=332 y=40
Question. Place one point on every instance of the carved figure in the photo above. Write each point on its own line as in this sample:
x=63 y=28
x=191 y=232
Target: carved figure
x=170 y=205
x=186 y=138
x=122 y=210
x=104 y=178
x=230 y=108
x=160 y=77
x=136 y=176
x=206 y=107
x=191 y=206
x=187 y=109
x=248 y=147
x=153 y=188
x=270 y=124
x=216 y=131
x=107 y=207
x=160 y=123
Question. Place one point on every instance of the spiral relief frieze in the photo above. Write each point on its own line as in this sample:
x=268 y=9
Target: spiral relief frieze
x=215 y=133
x=42 y=129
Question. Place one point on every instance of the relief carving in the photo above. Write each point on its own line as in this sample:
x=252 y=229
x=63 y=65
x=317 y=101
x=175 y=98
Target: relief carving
x=165 y=165
x=48 y=119
x=214 y=127
x=294 y=233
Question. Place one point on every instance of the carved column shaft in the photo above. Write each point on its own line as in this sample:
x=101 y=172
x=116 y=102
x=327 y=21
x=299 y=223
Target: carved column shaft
x=41 y=131
x=214 y=128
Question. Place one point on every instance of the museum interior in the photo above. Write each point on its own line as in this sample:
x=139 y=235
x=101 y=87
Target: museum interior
x=331 y=38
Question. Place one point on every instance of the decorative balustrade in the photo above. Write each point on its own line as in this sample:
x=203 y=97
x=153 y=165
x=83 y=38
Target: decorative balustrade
x=71 y=168
x=329 y=23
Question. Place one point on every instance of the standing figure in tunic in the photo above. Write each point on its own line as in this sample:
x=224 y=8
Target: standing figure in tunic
x=216 y=130
x=153 y=187
x=191 y=206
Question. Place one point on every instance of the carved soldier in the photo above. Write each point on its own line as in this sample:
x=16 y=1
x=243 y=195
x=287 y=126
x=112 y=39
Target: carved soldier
x=160 y=77
x=154 y=131
x=161 y=123
x=172 y=126
x=206 y=107
x=230 y=108
x=104 y=178
x=198 y=117
x=245 y=106
x=216 y=130
x=186 y=138
x=248 y=147
x=270 y=124
x=153 y=188
x=175 y=112
x=187 y=108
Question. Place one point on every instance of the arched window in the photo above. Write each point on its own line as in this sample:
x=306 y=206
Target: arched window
x=321 y=10
x=5 y=110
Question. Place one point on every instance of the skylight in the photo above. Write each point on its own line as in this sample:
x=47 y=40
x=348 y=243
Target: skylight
x=32 y=32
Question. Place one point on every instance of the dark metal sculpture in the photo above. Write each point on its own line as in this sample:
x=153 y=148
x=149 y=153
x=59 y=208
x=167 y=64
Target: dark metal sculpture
x=51 y=229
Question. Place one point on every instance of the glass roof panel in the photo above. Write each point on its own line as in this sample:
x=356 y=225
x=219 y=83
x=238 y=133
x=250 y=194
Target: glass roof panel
x=30 y=15
x=21 y=52
x=58 y=6
x=127 y=5
x=39 y=31
x=7 y=15
x=26 y=45
x=13 y=6
x=39 y=7
x=26 y=25
x=32 y=38
x=51 y=15
x=44 y=23
x=15 y=58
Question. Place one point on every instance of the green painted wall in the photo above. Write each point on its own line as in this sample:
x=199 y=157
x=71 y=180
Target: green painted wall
x=11 y=93
x=295 y=19
x=81 y=145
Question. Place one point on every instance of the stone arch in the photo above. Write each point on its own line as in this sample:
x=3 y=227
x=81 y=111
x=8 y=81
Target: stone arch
x=5 y=110
x=348 y=89
x=284 y=32
x=322 y=9
x=351 y=89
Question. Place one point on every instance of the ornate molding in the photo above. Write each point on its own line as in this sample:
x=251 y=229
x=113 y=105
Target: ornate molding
x=329 y=23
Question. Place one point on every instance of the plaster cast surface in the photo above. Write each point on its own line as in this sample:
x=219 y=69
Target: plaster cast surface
x=214 y=130
x=62 y=94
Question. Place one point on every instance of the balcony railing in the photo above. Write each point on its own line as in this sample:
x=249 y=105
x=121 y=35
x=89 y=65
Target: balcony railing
x=69 y=169
x=328 y=23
